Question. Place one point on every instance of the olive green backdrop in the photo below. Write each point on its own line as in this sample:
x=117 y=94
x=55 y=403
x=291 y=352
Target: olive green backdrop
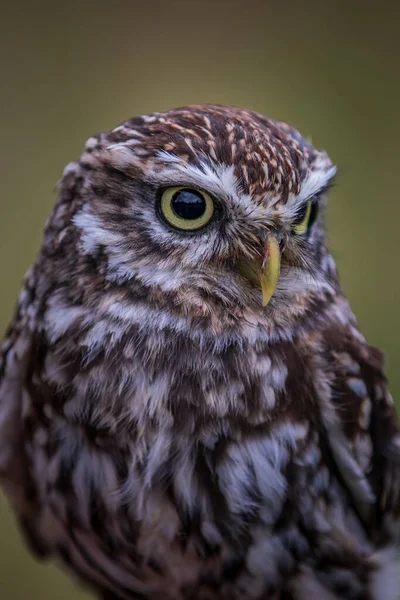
x=330 y=68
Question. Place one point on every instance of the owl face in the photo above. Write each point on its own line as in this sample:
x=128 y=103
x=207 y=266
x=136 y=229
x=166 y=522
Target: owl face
x=213 y=211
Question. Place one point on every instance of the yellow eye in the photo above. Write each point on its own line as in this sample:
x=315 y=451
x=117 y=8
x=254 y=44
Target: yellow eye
x=305 y=218
x=186 y=209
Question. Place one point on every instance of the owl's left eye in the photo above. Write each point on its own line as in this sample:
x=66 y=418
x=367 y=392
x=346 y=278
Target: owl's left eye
x=305 y=218
x=186 y=209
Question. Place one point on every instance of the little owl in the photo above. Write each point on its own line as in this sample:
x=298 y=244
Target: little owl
x=187 y=407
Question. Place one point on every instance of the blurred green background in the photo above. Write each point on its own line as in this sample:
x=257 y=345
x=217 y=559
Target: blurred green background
x=330 y=68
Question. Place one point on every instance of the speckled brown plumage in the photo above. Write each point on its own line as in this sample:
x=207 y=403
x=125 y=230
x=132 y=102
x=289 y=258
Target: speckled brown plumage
x=161 y=432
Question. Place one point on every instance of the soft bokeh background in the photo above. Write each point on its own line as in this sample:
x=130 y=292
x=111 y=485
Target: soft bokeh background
x=74 y=68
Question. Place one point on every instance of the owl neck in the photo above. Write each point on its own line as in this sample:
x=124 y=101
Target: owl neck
x=139 y=371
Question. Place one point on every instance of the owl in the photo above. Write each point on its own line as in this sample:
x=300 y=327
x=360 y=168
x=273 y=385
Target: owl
x=188 y=409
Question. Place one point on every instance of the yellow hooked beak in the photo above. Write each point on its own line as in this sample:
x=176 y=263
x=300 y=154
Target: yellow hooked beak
x=265 y=274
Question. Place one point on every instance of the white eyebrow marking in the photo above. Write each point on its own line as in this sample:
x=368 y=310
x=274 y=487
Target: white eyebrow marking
x=313 y=182
x=168 y=157
x=218 y=178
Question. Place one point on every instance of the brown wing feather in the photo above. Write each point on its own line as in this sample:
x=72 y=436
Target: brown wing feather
x=365 y=411
x=15 y=355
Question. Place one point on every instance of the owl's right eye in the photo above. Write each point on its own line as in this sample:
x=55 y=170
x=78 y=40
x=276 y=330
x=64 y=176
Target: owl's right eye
x=186 y=209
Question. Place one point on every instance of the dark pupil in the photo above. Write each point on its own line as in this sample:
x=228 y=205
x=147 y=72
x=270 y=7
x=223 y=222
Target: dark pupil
x=188 y=204
x=313 y=214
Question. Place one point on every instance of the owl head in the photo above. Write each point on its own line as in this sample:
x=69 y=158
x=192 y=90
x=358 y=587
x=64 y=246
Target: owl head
x=211 y=213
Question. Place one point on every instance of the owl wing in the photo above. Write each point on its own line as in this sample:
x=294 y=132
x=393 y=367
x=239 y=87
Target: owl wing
x=45 y=531
x=15 y=355
x=363 y=430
